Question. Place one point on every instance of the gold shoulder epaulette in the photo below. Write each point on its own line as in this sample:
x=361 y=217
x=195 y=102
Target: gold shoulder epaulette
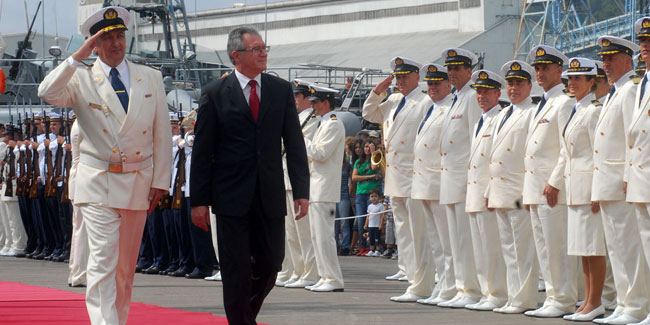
x=635 y=79
x=596 y=103
x=333 y=117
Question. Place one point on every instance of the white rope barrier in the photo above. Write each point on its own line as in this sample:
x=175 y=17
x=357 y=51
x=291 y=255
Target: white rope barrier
x=363 y=215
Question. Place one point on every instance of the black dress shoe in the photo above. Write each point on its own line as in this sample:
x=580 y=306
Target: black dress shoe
x=139 y=268
x=21 y=255
x=81 y=285
x=169 y=270
x=40 y=256
x=62 y=257
x=152 y=270
x=32 y=254
x=197 y=275
x=178 y=273
x=50 y=257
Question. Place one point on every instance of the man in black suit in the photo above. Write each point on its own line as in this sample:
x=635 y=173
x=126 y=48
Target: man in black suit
x=237 y=169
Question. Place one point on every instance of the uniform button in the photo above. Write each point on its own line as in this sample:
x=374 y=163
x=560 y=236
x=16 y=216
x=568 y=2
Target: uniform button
x=144 y=132
x=602 y=133
x=508 y=149
x=630 y=164
x=531 y=157
x=387 y=165
x=395 y=153
x=451 y=141
x=640 y=167
x=596 y=151
x=413 y=172
x=105 y=131
x=490 y=162
x=419 y=159
x=441 y=154
x=468 y=183
x=501 y=178
x=137 y=152
x=425 y=144
x=402 y=142
x=474 y=182
x=491 y=177
x=114 y=150
x=445 y=153
x=500 y=162
x=643 y=131
x=572 y=143
x=482 y=154
x=474 y=166
x=134 y=171
x=535 y=141
x=596 y=168
x=639 y=148
x=531 y=171
x=630 y=147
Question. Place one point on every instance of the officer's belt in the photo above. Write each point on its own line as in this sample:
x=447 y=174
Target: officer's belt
x=115 y=166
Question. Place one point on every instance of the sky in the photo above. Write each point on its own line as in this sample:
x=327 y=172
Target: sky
x=61 y=15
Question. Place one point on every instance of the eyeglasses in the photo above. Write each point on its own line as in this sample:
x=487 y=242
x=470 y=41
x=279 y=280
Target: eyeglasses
x=257 y=50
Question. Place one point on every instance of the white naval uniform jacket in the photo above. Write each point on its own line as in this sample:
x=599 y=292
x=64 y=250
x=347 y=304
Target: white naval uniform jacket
x=637 y=172
x=455 y=145
x=426 y=151
x=542 y=150
x=610 y=142
x=399 y=136
x=577 y=151
x=75 y=140
x=504 y=191
x=478 y=167
x=325 y=153
x=143 y=133
x=308 y=132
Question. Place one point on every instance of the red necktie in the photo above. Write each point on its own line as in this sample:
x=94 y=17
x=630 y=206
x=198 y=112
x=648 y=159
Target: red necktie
x=254 y=100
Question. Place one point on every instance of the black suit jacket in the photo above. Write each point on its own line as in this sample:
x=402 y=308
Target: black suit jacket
x=232 y=153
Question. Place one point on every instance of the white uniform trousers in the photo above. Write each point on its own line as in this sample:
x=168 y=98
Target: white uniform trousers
x=16 y=237
x=322 y=216
x=626 y=256
x=423 y=280
x=287 y=263
x=462 y=251
x=488 y=257
x=114 y=237
x=301 y=250
x=78 y=249
x=5 y=232
x=560 y=271
x=213 y=234
x=609 y=287
x=403 y=237
x=438 y=234
x=520 y=257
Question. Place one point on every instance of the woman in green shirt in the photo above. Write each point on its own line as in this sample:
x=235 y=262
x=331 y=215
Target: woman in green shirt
x=367 y=177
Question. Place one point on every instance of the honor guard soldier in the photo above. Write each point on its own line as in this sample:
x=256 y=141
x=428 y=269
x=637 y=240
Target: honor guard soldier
x=432 y=233
x=490 y=266
x=124 y=163
x=13 y=228
x=455 y=146
x=543 y=182
x=619 y=221
x=636 y=176
x=400 y=115
x=503 y=193
x=325 y=153
x=299 y=248
x=586 y=237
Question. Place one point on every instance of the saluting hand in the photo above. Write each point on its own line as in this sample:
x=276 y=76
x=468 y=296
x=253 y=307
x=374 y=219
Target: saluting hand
x=87 y=47
x=383 y=85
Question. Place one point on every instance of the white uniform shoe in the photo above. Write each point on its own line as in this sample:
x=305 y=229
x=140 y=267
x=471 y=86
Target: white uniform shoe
x=404 y=278
x=300 y=284
x=326 y=287
x=482 y=306
x=600 y=311
x=509 y=310
x=395 y=277
x=643 y=322
x=4 y=251
x=319 y=283
x=624 y=319
x=549 y=312
x=215 y=277
x=406 y=297
x=609 y=318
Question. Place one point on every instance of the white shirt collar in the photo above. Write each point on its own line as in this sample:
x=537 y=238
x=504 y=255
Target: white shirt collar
x=492 y=110
x=623 y=79
x=585 y=101
x=553 y=90
x=243 y=80
x=122 y=68
x=443 y=100
x=412 y=93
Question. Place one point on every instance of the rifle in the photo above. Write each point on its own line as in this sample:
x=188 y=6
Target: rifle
x=26 y=176
x=36 y=170
x=50 y=190
x=21 y=162
x=179 y=181
x=9 y=182
x=15 y=66
x=67 y=126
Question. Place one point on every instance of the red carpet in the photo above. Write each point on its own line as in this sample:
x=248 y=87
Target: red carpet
x=26 y=304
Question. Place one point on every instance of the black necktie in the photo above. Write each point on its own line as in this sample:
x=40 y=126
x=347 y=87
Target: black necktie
x=399 y=107
x=480 y=124
x=570 y=117
x=612 y=90
x=541 y=105
x=454 y=102
x=119 y=88
x=508 y=113
x=426 y=117
x=645 y=81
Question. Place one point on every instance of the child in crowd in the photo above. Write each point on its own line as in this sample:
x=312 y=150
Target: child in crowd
x=374 y=222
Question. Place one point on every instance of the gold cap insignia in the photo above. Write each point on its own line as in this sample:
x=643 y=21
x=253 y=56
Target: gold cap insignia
x=451 y=53
x=606 y=42
x=646 y=23
x=296 y=83
x=575 y=63
x=483 y=75
x=432 y=68
x=540 y=52
x=399 y=61
x=515 y=66
x=110 y=14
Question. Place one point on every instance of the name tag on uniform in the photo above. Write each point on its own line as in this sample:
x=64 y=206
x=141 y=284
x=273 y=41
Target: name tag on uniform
x=456 y=116
x=95 y=106
x=147 y=95
x=543 y=121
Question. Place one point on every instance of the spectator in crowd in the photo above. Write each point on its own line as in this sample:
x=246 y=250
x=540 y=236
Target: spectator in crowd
x=374 y=222
x=367 y=179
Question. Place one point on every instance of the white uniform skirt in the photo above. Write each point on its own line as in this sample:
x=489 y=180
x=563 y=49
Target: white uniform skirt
x=586 y=236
